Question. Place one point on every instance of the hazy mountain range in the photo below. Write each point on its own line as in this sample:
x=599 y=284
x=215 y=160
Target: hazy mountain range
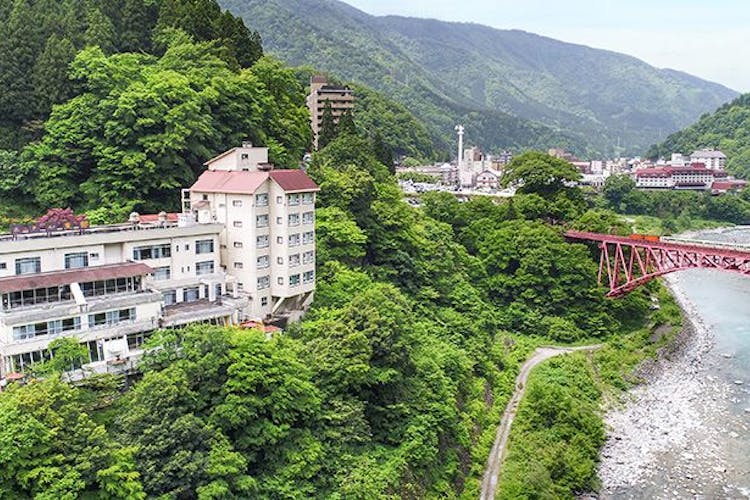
x=511 y=88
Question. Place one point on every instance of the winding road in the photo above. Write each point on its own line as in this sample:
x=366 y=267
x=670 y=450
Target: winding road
x=497 y=454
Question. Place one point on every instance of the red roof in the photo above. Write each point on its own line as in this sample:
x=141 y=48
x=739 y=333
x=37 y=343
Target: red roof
x=293 y=180
x=223 y=181
x=148 y=218
x=81 y=275
x=727 y=185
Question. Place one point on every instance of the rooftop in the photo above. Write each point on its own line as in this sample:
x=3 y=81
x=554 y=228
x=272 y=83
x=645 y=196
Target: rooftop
x=68 y=276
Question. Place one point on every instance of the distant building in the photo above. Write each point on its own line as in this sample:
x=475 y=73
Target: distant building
x=341 y=99
x=692 y=177
x=713 y=159
x=487 y=180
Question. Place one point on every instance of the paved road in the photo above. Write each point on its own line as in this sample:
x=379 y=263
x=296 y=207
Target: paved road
x=497 y=454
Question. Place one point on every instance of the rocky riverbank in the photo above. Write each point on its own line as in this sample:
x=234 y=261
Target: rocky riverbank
x=669 y=438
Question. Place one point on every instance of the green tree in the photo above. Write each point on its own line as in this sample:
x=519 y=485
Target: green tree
x=328 y=129
x=346 y=123
x=50 y=74
x=617 y=188
x=338 y=236
x=539 y=173
x=100 y=31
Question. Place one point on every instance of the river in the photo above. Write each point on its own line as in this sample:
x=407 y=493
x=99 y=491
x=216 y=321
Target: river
x=686 y=434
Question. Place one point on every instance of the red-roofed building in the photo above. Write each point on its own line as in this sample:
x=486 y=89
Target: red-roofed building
x=694 y=176
x=268 y=243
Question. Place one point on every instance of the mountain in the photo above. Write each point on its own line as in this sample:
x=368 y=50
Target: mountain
x=512 y=88
x=727 y=129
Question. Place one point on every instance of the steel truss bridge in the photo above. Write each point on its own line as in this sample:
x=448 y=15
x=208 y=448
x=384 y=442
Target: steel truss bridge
x=629 y=262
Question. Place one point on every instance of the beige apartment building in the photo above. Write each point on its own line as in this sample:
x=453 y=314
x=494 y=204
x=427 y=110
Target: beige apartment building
x=341 y=99
x=243 y=249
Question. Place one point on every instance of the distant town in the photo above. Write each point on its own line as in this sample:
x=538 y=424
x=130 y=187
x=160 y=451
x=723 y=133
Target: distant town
x=477 y=173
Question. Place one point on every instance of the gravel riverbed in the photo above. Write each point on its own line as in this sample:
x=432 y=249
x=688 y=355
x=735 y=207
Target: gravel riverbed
x=672 y=436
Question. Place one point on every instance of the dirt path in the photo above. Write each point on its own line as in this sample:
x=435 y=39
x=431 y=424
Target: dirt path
x=497 y=454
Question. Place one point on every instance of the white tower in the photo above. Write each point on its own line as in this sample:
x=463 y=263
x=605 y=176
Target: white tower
x=460 y=130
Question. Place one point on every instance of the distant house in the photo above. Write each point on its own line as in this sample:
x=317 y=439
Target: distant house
x=712 y=159
x=487 y=179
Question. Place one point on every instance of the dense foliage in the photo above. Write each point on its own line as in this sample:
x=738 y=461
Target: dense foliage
x=726 y=129
x=510 y=88
x=392 y=384
x=40 y=38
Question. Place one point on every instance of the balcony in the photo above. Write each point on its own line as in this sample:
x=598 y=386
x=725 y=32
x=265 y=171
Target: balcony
x=195 y=312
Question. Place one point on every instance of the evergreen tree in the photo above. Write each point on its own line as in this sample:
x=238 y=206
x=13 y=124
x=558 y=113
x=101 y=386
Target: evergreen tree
x=243 y=44
x=19 y=46
x=50 y=75
x=99 y=31
x=346 y=124
x=136 y=24
x=328 y=129
x=382 y=151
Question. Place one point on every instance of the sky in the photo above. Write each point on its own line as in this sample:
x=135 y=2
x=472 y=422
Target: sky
x=706 y=38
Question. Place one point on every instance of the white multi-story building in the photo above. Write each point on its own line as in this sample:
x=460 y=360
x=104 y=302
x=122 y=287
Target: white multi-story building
x=712 y=159
x=268 y=216
x=243 y=249
x=695 y=177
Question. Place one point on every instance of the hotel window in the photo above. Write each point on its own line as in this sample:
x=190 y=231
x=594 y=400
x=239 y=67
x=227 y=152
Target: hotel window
x=294 y=219
x=280 y=240
x=294 y=260
x=294 y=280
x=308 y=277
x=204 y=246
x=238 y=265
x=308 y=237
x=261 y=241
x=263 y=262
x=170 y=297
x=308 y=198
x=261 y=220
x=191 y=294
x=279 y=200
x=112 y=317
x=76 y=260
x=293 y=199
x=280 y=260
x=152 y=252
x=280 y=280
x=94 y=256
x=162 y=273
x=3 y=265
x=29 y=265
x=261 y=200
x=236 y=203
x=239 y=244
x=279 y=221
x=308 y=257
x=308 y=217
x=205 y=267
x=264 y=282
x=293 y=240
x=264 y=301
x=237 y=223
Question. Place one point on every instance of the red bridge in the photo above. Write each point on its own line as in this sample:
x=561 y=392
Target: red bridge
x=629 y=262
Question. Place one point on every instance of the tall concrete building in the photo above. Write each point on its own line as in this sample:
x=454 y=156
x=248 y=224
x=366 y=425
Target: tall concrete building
x=341 y=99
x=242 y=249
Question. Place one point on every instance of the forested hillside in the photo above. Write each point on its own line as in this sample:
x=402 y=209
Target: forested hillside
x=727 y=129
x=40 y=38
x=156 y=88
x=512 y=89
